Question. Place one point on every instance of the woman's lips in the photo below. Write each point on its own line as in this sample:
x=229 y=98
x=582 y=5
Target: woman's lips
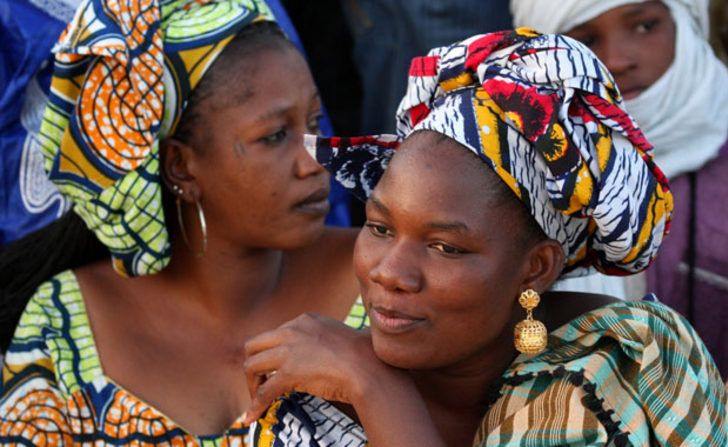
x=393 y=322
x=315 y=204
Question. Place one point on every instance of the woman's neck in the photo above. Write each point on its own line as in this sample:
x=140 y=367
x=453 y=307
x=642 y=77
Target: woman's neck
x=457 y=395
x=225 y=282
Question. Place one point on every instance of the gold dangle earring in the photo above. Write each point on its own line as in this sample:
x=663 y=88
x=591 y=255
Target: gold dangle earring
x=530 y=336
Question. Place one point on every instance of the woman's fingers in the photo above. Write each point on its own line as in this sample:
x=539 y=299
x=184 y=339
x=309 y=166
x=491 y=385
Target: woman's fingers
x=288 y=331
x=310 y=353
x=261 y=342
x=259 y=366
x=267 y=392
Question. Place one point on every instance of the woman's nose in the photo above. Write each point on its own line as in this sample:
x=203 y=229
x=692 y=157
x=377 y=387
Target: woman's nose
x=305 y=165
x=398 y=270
x=616 y=55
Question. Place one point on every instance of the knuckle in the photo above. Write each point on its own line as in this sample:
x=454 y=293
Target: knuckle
x=288 y=332
x=300 y=320
x=248 y=348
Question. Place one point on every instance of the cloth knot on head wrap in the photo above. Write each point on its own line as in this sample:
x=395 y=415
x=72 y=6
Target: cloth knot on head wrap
x=544 y=114
x=124 y=71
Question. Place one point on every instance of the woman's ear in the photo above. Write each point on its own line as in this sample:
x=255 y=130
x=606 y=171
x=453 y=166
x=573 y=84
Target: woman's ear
x=175 y=158
x=545 y=261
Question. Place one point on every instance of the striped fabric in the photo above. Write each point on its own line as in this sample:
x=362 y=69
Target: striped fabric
x=628 y=374
x=54 y=391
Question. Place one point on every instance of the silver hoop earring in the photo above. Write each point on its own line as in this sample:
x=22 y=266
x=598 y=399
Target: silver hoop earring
x=203 y=227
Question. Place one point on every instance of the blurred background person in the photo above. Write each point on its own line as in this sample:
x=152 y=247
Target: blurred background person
x=677 y=89
x=389 y=33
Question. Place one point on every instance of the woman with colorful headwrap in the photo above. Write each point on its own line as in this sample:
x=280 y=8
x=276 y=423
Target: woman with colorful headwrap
x=518 y=165
x=202 y=105
x=677 y=89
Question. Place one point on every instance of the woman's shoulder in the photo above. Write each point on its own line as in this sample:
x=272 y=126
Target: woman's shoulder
x=630 y=324
x=643 y=333
x=630 y=368
x=298 y=419
x=326 y=270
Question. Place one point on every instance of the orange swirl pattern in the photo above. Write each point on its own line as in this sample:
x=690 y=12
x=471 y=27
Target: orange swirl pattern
x=124 y=71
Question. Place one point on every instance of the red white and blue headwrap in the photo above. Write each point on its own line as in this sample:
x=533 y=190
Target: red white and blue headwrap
x=543 y=112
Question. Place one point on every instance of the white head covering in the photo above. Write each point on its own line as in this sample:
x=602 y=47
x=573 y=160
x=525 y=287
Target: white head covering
x=684 y=113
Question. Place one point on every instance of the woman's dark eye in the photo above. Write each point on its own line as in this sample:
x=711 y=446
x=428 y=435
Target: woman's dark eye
x=646 y=26
x=378 y=230
x=446 y=248
x=274 y=138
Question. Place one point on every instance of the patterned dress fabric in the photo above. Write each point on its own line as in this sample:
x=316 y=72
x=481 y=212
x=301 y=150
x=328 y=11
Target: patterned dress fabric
x=54 y=391
x=628 y=374
x=305 y=420
x=123 y=73
x=544 y=113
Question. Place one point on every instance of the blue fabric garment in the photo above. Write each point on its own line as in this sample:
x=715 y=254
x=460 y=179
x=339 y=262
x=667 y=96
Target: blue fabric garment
x=28 y=200
x=29 y=29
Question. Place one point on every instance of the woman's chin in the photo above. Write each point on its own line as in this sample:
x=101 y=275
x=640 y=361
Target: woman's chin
x=399 y=356
x=301 y=238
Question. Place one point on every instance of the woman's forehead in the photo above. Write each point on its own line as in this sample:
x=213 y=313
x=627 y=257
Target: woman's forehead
x=429 y=172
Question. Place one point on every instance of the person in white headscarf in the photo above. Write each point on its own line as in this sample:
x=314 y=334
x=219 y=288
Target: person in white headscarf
x=677 y=89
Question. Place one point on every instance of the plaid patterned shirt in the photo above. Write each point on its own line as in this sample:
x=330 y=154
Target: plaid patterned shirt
x=628 y=374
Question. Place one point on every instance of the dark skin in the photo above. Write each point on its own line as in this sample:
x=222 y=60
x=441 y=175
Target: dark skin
x=176 y=339
x=441 y=262
x=636 y=42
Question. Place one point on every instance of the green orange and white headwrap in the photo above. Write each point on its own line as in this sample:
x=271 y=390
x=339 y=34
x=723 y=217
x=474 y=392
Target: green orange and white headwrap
x=544 y=114
x=123 y=73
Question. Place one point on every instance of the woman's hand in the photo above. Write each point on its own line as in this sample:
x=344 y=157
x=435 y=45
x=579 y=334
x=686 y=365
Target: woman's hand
x=321 y=356
x=316 y=355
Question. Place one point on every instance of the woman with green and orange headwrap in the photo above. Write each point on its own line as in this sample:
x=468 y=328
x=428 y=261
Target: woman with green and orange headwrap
x=517 y=165
x=176 y=129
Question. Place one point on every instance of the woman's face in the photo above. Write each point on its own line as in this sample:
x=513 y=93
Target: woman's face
x=439 y=260
x=259 y=187
x=636 y=42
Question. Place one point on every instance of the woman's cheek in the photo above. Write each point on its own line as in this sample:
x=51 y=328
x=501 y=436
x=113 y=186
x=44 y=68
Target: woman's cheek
x=363 y=257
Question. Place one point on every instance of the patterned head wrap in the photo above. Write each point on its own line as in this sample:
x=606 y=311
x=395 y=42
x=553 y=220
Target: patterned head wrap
x=545 y=115
x=123 y=74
